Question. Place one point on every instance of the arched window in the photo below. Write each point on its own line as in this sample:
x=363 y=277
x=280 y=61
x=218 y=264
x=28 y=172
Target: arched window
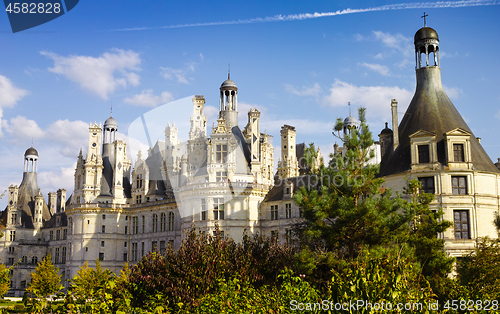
x=34 y=260
x=155 y=223
x=163 y=221
x=170 y=221
x=24 y=260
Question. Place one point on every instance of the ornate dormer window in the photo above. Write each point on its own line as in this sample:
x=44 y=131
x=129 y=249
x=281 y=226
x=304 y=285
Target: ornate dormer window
x=458 y=152
x=423 y=150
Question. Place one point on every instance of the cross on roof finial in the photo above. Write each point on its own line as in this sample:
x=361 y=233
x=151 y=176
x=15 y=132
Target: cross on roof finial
x=349 y=104
x=229 y=71
x=111 y=114
x=424 y=16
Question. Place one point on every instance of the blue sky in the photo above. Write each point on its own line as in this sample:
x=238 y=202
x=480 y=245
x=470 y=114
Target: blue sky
x=295 y=67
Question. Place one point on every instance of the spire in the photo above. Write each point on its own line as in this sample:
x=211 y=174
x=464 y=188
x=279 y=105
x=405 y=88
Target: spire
x=424 y=16
x=229 y=71
x=349 y=104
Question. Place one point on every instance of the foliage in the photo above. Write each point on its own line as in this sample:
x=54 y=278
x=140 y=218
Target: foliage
x=4 y=279
x=45 y=281
x=238 y=296
x=479 y=272
x=387 y=278
x=348 y=208
x=181 y=277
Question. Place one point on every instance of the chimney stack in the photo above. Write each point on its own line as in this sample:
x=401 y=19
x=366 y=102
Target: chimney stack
x=395 y=129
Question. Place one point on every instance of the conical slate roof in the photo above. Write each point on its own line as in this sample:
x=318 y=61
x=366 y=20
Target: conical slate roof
x=431 y=110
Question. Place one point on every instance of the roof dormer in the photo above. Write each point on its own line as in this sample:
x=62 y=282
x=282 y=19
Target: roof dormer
x=458 y=149
x=423 y=150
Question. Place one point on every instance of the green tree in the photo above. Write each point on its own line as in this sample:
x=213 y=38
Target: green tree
x=92 y=289
x=428 y=248
x=480 y=270
x=4 y=279
x=45 y=281
x=344 y=203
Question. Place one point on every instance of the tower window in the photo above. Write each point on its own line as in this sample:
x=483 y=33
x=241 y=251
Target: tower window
x=274 y=212
x=459 y=185
x=203 y=209
x=288 y=210
x=458 y=153
x=423 y=154
x=218 y=209
x=221 y=153
x=427 y=185
x=461 y=224
x=221 y=176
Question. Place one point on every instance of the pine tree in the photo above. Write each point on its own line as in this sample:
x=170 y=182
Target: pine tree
x=45 y=281
x=344 y=203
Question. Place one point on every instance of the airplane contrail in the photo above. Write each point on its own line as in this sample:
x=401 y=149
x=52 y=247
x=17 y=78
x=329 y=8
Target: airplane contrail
x=306 y=16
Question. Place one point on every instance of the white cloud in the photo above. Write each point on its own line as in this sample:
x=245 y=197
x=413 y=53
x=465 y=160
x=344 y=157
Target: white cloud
x=54 y=180
x=397 y=42
x=9 y=96
x=178 y=74
x=314 y=90
x=376 y=99
x=303 y=126
x=381 y=69
x=22 y=129
x=147 y=99
x=453 y=92
x=101 y=75
x=181 y=74
x=211 y=112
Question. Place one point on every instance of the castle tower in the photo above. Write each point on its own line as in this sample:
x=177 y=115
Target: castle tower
x=288 y=167
x=229 y=103
x=437 y=147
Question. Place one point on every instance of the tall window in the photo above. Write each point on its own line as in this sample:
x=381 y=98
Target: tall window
x=142 y=248
x=65 y=234
x=58 y=234
x=135 y=225
x=461 y=223
x=427 y=185
x=423 y=154
x=155 y=223
x=63 y=255
x=143 y=224
x=13 y=218
x=221 y=153
x=274 y=212
x=101 y=256
x=103 y=229
x=162 y=247
x=24 y=260
x=459 y=185
x=218 y=209
x=70 y=225
x=275 y=235
x=458 y=152
x=171 y=221
x=51 y=235
x=163 y=221
x=12 y=236
x=288 y=236
x=139 y=181
x=56 y=261
x=288 y=210
x=203 y=209
x=221 y=176
x=34 y=260
x=138 y=199
x=134 y=251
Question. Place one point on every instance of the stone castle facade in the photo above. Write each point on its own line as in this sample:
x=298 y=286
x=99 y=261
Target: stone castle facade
x=118 y=212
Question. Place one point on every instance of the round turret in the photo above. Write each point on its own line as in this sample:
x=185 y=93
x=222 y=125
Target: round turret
x=228 y=85
x=31 y=152
x=110 y=122
x=426 y=33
